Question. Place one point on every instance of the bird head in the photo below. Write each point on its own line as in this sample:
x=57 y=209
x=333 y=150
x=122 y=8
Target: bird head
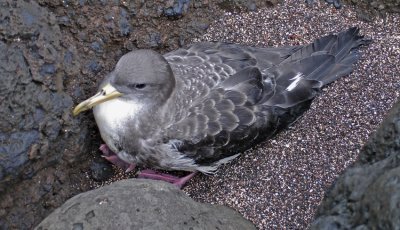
x=141 y=76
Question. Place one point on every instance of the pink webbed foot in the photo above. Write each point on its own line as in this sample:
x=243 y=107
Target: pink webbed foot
x=109 y=155
x=114 y=159
x=178 y=181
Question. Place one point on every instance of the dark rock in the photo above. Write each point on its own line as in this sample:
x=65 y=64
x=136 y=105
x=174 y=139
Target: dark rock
x=369 y=9
x=94 y=66
x=154 y=40
x=366 y=7
x=124 y=25
x=138 y=204
x=82 y=2
x=131 y=6
x=101 y=171
x=244 y=5
x=97 y=47
x=367 y=195
x=336 y=3
x=15 y=147
x=47 y=70
x=252 y=7
x=27 y=110
x=37 y=132
x=178 y=8
x=118 y=21
x=198 y=26
x=25 y=20
x=64 y=20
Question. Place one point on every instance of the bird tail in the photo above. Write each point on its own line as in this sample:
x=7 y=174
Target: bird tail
x=329 y=57
x=299 y=77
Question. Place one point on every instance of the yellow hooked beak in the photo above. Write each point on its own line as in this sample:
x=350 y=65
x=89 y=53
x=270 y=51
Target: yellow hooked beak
x=107 y=93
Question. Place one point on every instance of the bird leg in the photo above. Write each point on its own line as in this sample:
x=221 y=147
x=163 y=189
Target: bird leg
x=109 y=155
x=178 y=181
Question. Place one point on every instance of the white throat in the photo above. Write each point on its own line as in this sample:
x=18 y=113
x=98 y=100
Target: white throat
x=112 y=117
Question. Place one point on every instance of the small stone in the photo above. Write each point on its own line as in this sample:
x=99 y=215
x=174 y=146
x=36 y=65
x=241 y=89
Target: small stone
x=101 y=171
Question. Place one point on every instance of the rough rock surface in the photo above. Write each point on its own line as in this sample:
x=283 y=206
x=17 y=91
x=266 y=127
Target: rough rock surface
x=141 y=204
x=365 y=7
x=367 y=195
x=37 y=125
x=37 y=132
x=367 y=10
x=381 y=6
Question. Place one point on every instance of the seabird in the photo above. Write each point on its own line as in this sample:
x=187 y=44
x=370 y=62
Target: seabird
x=194 y=109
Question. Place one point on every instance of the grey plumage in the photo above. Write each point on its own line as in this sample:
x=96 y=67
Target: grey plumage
x=193 y=109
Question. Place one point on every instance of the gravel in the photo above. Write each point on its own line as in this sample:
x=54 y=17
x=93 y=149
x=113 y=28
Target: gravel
x=281 y=182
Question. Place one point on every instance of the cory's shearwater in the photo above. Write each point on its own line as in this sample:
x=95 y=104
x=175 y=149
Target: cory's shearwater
x=194 y=109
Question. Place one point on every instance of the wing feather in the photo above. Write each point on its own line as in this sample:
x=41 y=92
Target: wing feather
x=221 y=118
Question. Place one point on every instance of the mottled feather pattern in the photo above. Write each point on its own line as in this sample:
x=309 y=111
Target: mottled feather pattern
x=223 y=119
x=251 y=97
x=212 y=101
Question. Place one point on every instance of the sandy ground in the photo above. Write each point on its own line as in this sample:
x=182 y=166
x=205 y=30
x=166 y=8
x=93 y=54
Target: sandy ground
x=281 y=182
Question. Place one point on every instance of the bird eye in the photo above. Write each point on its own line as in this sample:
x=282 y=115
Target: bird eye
x=140 y=86
x=137 y=86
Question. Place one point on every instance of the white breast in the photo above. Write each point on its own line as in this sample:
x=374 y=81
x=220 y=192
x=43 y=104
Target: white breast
x=112 y=117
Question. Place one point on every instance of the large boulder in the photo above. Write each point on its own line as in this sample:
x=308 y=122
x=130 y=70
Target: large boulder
x=141 y=204
x=367 y=195
x=36 y=128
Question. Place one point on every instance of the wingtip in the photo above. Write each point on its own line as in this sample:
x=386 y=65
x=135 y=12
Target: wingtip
x=362 y=40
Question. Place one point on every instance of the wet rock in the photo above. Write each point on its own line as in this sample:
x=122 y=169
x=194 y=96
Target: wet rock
x=33 y=115
x=138 y=204
x=367 y=195
x=37 y=131
x=177 y=8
